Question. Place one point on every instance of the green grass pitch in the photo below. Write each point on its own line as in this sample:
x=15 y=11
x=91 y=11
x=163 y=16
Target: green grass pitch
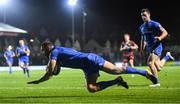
x=69 y=87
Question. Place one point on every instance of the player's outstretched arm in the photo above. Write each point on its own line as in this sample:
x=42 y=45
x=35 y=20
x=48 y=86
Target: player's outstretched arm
x=48 y=75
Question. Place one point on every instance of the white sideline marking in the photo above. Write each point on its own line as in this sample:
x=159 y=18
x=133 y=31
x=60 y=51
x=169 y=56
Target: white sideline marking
x=17 y=68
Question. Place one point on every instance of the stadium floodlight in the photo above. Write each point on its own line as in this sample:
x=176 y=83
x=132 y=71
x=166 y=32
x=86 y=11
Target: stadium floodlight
x=72 y=3
x=3 y=2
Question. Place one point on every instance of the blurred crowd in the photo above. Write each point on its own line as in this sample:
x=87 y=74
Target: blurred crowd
x=108 y=49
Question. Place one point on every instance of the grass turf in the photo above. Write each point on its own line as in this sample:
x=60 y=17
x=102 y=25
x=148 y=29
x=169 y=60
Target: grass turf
x=69 y=87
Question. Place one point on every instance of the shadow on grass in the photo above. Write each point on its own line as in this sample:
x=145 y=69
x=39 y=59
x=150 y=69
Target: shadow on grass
x=138 y=85
x=65 y=96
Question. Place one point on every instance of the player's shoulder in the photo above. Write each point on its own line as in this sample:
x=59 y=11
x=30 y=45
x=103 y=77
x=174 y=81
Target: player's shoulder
x=55 y=49
x=142 y=25
x=155 y=23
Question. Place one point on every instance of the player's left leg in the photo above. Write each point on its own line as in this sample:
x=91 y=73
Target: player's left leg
x=26 y=65
x=131 y=62
x=161 y=63
x=93 y=86
x=10 y=67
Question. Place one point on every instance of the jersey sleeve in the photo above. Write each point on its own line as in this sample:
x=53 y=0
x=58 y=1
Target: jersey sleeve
x=17 y=50
x=5 y=53
x=140 y=30
x=54 y=55
x=159 y=27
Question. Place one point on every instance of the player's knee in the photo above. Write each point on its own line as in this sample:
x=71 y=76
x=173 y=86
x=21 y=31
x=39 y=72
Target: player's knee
x=21 y=65
x=158 y=67
x=92 y=88
x=124 y=68
x=117 y=70
x=158 y=70
x=150 y=63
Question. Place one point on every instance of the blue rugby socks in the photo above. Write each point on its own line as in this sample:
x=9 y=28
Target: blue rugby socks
x=130 y=70
x=168 y=57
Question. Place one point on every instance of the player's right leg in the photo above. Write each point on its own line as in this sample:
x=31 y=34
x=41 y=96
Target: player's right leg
x=27 y=69
x=131 y=64
x=93 y=86
x=112 y=69
x=26 y=65
x=151 y=63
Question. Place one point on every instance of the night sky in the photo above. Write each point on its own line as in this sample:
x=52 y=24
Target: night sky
x=107 y=18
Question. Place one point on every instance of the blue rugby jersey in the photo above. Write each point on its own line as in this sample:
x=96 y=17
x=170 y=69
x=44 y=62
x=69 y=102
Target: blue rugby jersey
x=21 y=51
x=150 y=30
x=9 y=54
x=68 y=57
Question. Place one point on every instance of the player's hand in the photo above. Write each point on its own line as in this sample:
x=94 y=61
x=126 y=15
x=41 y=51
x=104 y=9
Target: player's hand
x=158 y=38
x=132 y=47
x=33 y=82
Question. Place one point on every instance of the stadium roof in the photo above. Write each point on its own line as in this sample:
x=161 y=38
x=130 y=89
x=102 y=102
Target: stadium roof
x=8 y=30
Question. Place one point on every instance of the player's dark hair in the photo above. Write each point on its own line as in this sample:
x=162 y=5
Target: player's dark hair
x=47 y=43
x=127 y=34
x=145 y=10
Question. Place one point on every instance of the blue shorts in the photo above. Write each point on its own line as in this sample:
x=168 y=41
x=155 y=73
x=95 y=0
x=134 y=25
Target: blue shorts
x=9 y=61
x=156 y=50
x=94 y=64
x=24 y=60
